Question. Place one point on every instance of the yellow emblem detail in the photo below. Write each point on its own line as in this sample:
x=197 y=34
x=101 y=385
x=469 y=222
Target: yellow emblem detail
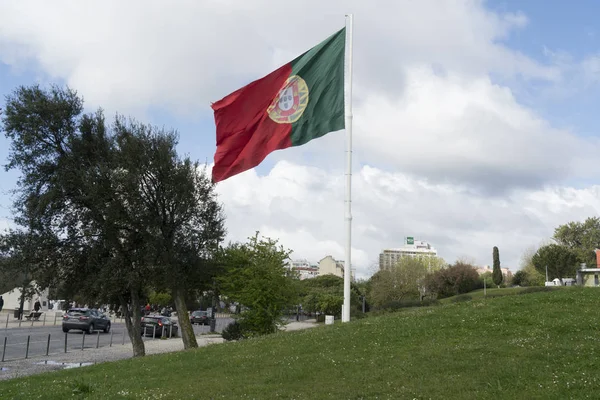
x=291 y=101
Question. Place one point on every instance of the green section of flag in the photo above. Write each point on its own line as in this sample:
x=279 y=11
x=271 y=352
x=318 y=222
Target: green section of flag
x=322 y=68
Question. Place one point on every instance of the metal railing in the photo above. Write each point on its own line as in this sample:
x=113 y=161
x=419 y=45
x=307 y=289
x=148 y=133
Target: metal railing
x=26 y=345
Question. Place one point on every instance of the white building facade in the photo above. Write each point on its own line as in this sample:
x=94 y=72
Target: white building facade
x=411 y=248
x=12 y=299
x=331 y=266
x=304 y=269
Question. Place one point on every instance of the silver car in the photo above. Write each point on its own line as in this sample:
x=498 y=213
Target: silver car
x=85 y=319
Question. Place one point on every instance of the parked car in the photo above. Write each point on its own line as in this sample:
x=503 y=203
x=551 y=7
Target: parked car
x=157 y=324
x=85 y=319
x=200 y=318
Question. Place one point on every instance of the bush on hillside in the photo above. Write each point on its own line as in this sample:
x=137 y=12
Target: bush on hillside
x=456 y=279
x=233 y=331
x=519 y=278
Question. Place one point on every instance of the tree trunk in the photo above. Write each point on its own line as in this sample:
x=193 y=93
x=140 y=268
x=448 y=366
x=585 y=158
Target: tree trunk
x=187 y=332
x=133 y=322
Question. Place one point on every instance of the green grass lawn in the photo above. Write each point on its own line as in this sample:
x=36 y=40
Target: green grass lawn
x=491 y=293
x=528 y=346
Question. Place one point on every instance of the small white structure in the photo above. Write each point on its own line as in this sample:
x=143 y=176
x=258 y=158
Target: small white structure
x=12 y=299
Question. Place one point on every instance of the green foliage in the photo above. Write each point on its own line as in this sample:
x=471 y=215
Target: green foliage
x=580 y=237
x=520 y=278
x=325 y=294
x=561 y=261
x=161 y=298
x=125 y=212
x=532 y=276
x=403 y=281
x=488 y=279
x=256 y=278
x=456 y=279
x=496 y=272
x=233 y=331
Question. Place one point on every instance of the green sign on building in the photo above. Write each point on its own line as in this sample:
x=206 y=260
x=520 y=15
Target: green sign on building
x=410 y=240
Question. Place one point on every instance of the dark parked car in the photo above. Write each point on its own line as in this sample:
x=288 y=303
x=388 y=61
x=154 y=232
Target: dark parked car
x=200 y=318
x=157 y=324
x=85 y=319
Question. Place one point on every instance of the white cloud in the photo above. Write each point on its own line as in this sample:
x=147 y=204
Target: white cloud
x=303 y=206
x=466 y=129
x=180 y=56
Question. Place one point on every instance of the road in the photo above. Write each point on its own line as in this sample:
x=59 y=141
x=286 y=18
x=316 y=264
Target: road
x=16 y=339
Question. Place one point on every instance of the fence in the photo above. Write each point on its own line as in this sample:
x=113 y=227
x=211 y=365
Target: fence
x=20 y=346
x=53 y=319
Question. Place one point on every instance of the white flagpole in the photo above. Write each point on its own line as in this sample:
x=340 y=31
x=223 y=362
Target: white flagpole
x=348 y=200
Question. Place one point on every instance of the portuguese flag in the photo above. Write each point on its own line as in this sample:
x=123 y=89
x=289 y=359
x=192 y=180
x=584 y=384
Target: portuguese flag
x=301 y=101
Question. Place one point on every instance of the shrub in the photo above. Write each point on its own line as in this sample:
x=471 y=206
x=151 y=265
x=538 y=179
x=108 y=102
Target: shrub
x=233 y=331
x=520 y=278
x=456 y=279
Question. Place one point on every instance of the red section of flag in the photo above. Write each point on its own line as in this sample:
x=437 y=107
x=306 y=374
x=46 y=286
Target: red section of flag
x=245 y=132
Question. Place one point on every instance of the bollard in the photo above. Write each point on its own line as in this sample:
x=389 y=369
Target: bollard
x=7 y=316
x=31 y=321
x=65 y=342
x=154 y=332
x=170 y=331
x=44 y=323
x=4 y=348
x=55 y=318
x=97 y=339
x=111 y=336
x=83 y=341
x=48 y=345
x=27 y=348
x=123 y=338
x=20 y=319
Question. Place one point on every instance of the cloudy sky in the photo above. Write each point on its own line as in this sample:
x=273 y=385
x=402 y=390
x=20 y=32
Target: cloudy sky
x=474 y=121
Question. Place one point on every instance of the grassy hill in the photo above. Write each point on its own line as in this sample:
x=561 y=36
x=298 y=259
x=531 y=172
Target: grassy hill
x=525 y=346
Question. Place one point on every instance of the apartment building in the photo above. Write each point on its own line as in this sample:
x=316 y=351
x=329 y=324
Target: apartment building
x=411 y=248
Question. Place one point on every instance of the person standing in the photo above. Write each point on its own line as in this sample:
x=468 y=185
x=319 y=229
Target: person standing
x=1 y=303
x=37 y=305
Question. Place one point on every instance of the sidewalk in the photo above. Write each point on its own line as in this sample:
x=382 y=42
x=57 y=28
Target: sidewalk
x=77 y=358
x=48 y=318
x=297 y=325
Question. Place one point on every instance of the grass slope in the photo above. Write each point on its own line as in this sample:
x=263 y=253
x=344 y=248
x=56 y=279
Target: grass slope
x=529 y=346
x=490 y=293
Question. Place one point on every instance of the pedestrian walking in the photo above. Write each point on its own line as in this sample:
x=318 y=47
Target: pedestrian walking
x=1 y=303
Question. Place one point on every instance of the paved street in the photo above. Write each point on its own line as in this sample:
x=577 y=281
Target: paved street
x=16 y=339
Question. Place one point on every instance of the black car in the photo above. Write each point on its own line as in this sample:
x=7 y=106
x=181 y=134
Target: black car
x=200 y=318
x=85 y=319
x=155 y=325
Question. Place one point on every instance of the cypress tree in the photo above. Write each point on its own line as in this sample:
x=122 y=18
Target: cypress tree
x=497 y=272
